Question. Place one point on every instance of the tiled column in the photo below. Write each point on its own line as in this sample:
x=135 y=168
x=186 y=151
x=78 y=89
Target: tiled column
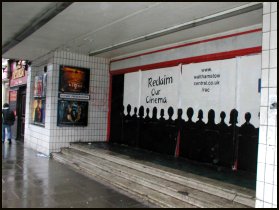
x=266 y=191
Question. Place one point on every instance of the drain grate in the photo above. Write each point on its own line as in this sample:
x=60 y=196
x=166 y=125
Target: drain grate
x=183 y=193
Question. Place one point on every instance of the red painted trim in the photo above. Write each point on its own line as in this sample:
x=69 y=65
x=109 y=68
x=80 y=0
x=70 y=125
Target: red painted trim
x=196 y=59
x=109 y=106
x=192 y=43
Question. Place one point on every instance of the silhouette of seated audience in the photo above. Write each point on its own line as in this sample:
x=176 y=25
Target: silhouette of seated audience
x=200 y=124
x=248 y=145
x=213 y=143
x=247 y=128
x=210 y=140
x=135 y=116
x=222 y=126
x=154 y=115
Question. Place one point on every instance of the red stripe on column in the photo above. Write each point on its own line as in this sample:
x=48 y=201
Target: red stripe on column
x=177 y=148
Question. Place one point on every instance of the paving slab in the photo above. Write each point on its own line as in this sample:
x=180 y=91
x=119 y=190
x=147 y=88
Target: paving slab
x=33 y=181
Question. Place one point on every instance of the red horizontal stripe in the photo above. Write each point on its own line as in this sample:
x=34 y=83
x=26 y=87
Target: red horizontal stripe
x=196 y=59
x=192 y=43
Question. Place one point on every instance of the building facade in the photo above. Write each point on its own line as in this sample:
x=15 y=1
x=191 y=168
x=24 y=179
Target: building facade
x=73 y=97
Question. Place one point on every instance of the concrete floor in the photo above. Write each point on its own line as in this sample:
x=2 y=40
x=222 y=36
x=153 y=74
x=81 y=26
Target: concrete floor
x=29 y=179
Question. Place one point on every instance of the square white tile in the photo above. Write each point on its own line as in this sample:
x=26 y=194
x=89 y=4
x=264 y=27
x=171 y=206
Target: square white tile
x=265 y=41
x=264 y=78
x=265 y=59
x=271 y=135
x=266 y=7
x=274 y=21
x=273 y=58
x=273 y=77
x=274 y=195
x=260 y=190
x=269 y=173
x=273 y=6
x=273 y=40
x=266 y=22
x=261 y=153
x=263 y=115
x=259 y=203
x=268 y=193
x=260 y=172
x=270 y=154
x=272 y=116
x=264 y=97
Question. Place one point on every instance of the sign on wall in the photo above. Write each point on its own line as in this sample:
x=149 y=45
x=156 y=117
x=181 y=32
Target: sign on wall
x=221 y=85
x=132 y=87
x=74 y=79
x=38 y=112
x=73 y=91
x=13 y=100
x=72 y=113
x=151 y=89
x=19 y=73
x=38 y=86
x=248 y=88
x=160 y=88
x=209 y=85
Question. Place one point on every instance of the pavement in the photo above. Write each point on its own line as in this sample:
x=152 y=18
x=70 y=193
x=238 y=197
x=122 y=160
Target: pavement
x=33 y=180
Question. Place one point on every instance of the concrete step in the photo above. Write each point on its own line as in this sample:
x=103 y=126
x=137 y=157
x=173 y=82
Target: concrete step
x=233 y=193
x=189 y=195
x=135 y=189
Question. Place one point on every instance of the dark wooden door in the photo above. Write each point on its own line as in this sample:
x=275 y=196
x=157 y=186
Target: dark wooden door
x=116 y=108
x=21 y=112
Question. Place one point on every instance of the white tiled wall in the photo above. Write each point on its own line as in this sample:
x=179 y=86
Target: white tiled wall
x=36 y=137
x=51 y=138
x=266 y=191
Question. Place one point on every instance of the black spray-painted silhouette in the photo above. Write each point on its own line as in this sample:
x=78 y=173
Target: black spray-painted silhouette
x=188 y=136
x=234 y=132
x=171 y=135
x=211 y=140
x=162 y=113
x=248 y=145
x=223 y=127
x=128 y=116
x=200 y=124
x=154 y=132
x=134 y=116
x=141 y=127
x=127 y=126
x=147 y=118
x=154 y=115
x=146 y=141
x=179 y=122
x=247 y=128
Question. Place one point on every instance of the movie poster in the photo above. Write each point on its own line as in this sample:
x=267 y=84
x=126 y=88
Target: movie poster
x=74 y=79
x=38 y=86
x=13 y=100
x=19 y=73
x=38 y=111
x=72 y=113
x=44 y=84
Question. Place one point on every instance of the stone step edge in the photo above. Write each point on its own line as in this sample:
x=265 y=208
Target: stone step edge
x=154 y=199
x=168 y=190
x=190 y=182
